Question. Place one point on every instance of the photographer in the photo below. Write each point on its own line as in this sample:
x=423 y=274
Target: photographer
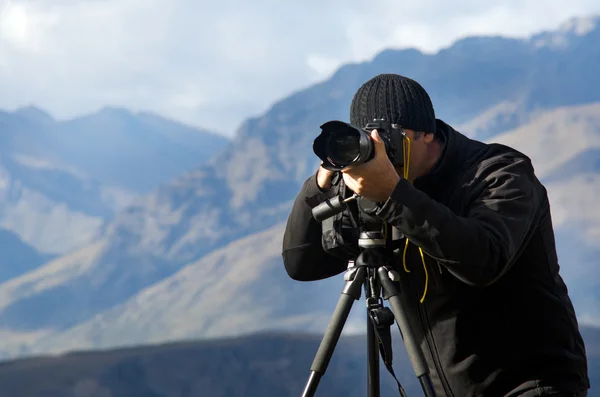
x=479 y=267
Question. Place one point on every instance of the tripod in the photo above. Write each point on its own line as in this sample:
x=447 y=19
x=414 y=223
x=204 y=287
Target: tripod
x=371 y=271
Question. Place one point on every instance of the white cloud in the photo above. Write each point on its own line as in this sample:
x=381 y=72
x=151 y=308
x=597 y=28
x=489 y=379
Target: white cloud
x=215 y=63
x=4 y=5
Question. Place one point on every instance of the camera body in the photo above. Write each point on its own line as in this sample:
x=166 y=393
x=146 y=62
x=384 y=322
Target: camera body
x=341 y=144
x=343 y=224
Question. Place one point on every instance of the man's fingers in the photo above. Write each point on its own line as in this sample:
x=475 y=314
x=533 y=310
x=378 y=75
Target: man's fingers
x=379 y=145
x=350 y=168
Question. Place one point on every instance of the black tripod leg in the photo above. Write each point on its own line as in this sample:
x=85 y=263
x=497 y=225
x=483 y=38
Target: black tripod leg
x=392 y=292
x=350 y=293
x=373 y=361
x=372 y=300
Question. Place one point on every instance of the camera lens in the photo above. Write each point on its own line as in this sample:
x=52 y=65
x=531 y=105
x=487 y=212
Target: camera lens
x=340 y=145
x=344 y=146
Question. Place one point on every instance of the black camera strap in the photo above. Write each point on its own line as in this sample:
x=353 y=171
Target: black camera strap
x=383 y=319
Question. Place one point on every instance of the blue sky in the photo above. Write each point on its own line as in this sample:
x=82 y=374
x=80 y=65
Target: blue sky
x=213 y=64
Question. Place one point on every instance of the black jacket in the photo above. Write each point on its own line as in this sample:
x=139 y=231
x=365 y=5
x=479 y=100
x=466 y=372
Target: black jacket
x=496 y=318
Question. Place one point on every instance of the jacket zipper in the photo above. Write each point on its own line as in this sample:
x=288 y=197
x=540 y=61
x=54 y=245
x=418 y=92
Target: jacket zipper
x=429 y=338
x=434 y=354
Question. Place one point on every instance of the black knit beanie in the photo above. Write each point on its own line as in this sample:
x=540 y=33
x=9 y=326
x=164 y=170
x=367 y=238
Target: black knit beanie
x=396 y=98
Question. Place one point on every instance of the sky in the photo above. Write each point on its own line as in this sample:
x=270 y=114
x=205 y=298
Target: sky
x=214 y=64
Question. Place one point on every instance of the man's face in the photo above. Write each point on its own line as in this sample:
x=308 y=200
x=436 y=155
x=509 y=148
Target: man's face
x=419 y=154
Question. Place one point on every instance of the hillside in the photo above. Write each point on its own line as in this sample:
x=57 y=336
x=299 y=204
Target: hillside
x=60 y=181
x=17 y=258
x=262 y=365
x=232 y=291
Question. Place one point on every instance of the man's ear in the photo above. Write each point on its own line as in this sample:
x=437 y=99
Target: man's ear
x=428 y=137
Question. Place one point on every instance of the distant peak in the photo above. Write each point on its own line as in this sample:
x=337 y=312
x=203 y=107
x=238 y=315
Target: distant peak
x=579 y=26
x=564 y=35
x=34 y=112
x=115 y=111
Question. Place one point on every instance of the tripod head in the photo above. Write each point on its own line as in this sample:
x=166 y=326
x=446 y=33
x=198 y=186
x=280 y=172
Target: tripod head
x=369 y=230
x=374 y=271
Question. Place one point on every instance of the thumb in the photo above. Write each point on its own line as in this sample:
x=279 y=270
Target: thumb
x=379 y=145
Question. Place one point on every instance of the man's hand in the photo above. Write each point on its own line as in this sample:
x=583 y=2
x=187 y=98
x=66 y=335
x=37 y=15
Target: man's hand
x=324 y=177
x=376 y=179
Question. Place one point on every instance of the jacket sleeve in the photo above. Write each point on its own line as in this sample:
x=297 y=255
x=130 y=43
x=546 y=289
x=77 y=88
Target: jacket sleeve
x=303 y=255
x=480 y=247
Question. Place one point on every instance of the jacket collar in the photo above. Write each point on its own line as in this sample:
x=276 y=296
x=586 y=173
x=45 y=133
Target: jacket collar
x=458 y=153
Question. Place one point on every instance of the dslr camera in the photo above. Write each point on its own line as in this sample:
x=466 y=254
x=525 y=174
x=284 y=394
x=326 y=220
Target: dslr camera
x=340 y=144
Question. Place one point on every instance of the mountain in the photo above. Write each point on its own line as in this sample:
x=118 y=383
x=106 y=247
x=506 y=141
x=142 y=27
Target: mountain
x=49 y=206
x=245 y=277
x=193 y=239
x=265 y=365
x=133 y=151
x=61 y=180
x=17 y=257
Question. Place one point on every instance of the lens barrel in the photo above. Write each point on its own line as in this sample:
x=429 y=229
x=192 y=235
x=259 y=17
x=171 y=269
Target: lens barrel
x=341 y=144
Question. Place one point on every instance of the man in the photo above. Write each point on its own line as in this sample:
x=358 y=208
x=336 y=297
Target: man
x=496 y=318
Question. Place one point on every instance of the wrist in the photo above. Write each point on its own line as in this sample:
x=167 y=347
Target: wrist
x=391 y=186
x=389 y=206
x=324 y=179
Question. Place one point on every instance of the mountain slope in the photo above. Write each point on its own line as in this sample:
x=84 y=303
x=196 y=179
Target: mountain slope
x=17 y=257
x=262 y=365
x=61 y=180
x=133 y=151
x=114 y=146
x=235 y=290
x=52 y=208
x=557 y=137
